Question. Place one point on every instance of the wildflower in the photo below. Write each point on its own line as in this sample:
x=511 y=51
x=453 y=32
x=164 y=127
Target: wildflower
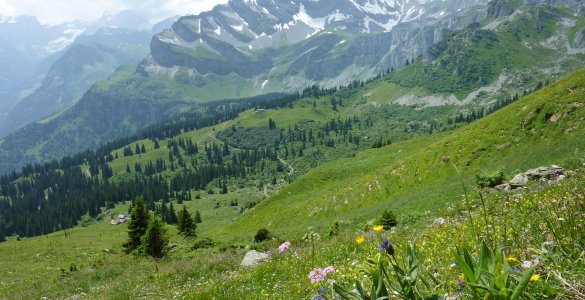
x=360 y=239
x=527 y=264
x=512 y=259
x=283 y=247
x=460 y=282
x=329 y=269
x=317 y=275
x=535 y=277
x=386 y=246
x=318 y=298
x=378 y=228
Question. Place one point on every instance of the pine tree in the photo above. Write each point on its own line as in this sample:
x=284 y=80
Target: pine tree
x=198 y=217
x=186 y=224
x=155 y=240
x=172 y=215
x=137 y=226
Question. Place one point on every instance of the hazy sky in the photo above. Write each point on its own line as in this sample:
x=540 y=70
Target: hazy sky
x=59 y=11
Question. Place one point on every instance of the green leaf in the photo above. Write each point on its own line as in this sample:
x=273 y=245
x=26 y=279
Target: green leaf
x=378 y=288
x=522 y=284
x=466 y=269
x=469 y=260
x=432 y=297
x=360 y=289
x=486 y=257
x=345 y=294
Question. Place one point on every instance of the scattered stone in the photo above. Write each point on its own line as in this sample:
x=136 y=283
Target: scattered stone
x=253 y=258
x=78 y=296
x=438 y=221
x=503 y=146
x=519 y=180
x=555 y=117
x=503 y=187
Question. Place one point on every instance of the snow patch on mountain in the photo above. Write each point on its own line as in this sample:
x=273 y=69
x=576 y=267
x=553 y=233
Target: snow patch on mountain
x=69 y=36
x=317 y=24
x=337 y=16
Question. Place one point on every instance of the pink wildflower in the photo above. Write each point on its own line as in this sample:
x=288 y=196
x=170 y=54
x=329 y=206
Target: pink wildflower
x=530 y=263
x=283 y=247
x=330 y=269
x=317 y=275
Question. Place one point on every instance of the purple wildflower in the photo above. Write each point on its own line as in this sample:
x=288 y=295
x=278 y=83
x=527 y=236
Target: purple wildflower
x=386 y=246
x=460 y=283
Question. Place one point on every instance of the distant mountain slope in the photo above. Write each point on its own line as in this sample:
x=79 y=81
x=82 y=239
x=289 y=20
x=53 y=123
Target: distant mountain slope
x=42 y=68
x=540 y=129
x=89 y=59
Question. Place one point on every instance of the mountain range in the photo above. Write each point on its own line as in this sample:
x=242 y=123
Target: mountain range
x=457 y=52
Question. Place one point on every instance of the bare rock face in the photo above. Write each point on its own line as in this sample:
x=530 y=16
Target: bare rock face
x=323 y=42
x=253 y=258
x=579 y=41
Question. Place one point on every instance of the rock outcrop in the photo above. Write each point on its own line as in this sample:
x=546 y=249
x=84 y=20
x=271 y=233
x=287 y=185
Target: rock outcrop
x=253 y=258
x=550 y=174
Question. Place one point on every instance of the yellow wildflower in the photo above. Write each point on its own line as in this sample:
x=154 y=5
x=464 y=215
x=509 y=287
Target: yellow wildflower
x=360 y=240
x=512 y=259
x=535 y=277
x=378 y=228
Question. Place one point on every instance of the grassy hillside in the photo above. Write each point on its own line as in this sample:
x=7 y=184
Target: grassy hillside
x=410 y=178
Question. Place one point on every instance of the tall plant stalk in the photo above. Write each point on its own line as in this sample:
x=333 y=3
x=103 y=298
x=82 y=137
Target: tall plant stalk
x=467 y=202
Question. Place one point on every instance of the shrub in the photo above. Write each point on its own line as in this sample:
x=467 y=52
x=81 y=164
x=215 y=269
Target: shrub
x=387 y=218
x=489 y=180
x=334 y=229
x=262 y=235
x=203 y=243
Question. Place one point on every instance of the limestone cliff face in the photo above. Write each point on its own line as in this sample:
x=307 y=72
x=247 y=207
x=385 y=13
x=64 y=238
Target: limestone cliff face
x=295 y=43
